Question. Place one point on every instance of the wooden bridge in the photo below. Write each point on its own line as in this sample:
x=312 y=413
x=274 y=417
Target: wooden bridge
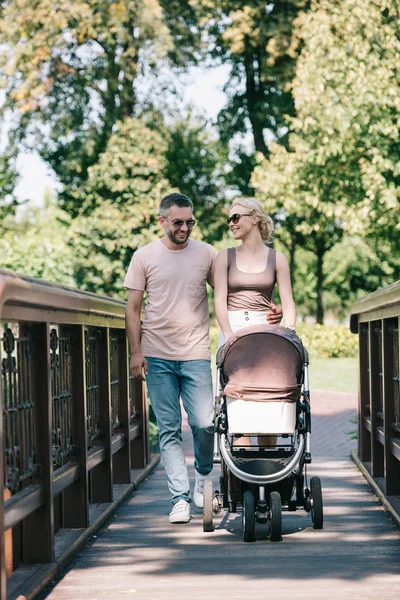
x=74 y=447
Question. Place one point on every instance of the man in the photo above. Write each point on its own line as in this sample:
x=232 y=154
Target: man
x=171 y=349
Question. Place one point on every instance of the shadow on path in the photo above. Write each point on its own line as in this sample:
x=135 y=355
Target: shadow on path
x=356 y=555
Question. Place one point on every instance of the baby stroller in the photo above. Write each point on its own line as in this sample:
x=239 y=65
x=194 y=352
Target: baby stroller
x=263 y=430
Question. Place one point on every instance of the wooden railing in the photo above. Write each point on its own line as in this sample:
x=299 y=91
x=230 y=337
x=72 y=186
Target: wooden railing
x=376 y=319
x=74 y=427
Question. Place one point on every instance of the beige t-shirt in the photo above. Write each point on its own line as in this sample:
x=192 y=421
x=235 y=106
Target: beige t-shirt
x=176 y=319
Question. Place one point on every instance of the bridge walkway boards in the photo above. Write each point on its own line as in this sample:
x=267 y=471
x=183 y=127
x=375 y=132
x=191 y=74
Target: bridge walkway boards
x=139 y=555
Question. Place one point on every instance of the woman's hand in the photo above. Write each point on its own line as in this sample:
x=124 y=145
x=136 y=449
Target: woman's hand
x=227 y=334
x=274 y=315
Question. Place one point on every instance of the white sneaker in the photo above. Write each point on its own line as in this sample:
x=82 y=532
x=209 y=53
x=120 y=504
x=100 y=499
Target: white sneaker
x=180 y=512
x=198 y=492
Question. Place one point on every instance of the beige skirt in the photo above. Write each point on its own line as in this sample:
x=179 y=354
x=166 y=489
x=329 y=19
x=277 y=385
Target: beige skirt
x=238 y=319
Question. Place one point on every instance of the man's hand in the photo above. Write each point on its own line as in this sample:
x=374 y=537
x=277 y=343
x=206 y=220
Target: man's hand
x=274 y=315
x=138 y=365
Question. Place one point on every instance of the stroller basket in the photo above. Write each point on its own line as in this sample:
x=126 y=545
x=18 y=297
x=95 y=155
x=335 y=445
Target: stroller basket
x=261 y=479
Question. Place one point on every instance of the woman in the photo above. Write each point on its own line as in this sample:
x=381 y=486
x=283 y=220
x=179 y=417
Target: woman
x=244 y=281
x=245 y=276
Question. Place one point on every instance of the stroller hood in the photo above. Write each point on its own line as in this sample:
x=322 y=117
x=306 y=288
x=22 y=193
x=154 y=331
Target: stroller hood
x=263 y=363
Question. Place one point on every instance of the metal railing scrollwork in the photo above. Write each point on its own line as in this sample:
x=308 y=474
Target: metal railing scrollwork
x=92 y=340
x=61 y=388
x=18 y=408
x=115 y=341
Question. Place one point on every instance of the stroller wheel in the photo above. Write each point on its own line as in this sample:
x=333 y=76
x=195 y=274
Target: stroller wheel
x=275 y=517
x=208 y=524
x=249 y=517
x=317 y=513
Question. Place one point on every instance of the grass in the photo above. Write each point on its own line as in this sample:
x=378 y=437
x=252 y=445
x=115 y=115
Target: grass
x=334 y=374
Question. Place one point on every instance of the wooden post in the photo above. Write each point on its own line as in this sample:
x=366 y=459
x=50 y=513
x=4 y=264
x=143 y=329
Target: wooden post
x=122 y=459
x=76 y=497
x=377 y=450
x=38 y=528
x=3 y=587
x=102 y=478
x=364 y=436
x=392 y=465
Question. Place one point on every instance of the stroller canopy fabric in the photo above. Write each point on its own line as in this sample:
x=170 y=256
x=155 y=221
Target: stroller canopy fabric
x=262 y=363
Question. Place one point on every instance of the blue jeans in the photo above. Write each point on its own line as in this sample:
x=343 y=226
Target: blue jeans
x=190 y=380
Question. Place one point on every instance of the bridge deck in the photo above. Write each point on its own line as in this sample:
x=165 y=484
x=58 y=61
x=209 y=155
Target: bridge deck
x=356 y=555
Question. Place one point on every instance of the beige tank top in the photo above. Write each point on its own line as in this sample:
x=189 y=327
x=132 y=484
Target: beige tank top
x=250 y=291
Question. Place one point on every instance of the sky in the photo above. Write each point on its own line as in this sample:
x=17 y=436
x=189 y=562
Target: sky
x=204 y=92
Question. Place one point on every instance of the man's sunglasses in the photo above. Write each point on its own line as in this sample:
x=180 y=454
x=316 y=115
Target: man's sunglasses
x=234 y=219
x=177 y=223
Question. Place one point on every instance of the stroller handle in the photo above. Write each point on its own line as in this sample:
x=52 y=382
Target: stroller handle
x=261 y=479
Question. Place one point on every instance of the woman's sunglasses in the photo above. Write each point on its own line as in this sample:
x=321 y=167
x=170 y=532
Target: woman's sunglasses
x=234 y=219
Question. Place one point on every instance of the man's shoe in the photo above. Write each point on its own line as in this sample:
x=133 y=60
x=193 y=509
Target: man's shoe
x=198 y=492
x=180 y=512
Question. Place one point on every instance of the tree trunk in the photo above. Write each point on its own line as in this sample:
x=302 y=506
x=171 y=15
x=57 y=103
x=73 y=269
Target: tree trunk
x=292 y=249
x=254 y=97
x=320 y=281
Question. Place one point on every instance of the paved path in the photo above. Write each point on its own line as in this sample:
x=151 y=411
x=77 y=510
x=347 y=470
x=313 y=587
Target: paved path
x=356 y=556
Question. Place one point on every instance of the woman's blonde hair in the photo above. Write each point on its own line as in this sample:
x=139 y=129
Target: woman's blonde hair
x=265 y=223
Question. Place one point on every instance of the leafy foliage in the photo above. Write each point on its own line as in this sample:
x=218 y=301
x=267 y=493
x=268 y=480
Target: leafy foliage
x=354 y=268
x=340 y=172
x=8 y=181
x=37 y=244
x=194 y=163
x=319 y=77
x=119 y=206
x=348 y=117
x=119 y=203
x=260 y=43
x=70 y=68
x=328 y=341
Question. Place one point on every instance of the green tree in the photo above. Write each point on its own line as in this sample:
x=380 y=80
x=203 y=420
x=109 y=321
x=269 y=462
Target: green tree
x=70 y=70
x=120 y=200
x=36 y=243
x=119 y=206
x=347 y=96
x=288 y=187
x=354 y=268
x=260 y=42
x=8 y=181
x=194 y=166
x=340 y=173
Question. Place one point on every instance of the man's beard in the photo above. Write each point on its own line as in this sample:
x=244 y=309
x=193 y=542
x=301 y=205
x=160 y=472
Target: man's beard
x=178 y=241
